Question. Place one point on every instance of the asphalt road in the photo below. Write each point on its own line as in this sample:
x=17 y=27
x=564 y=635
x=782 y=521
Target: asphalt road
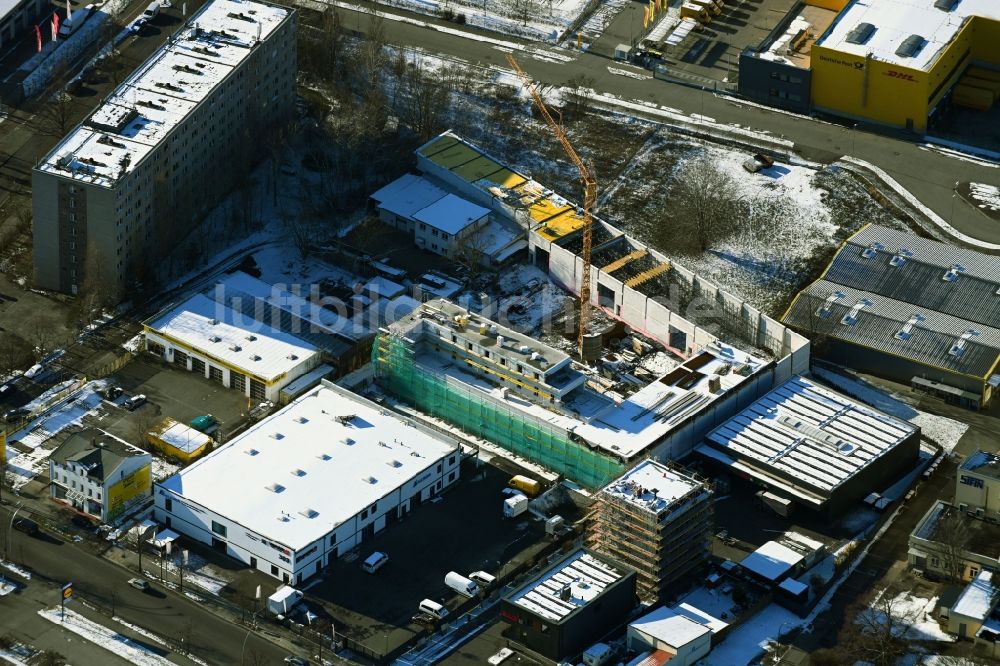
x=165 y=613
x=928 y=174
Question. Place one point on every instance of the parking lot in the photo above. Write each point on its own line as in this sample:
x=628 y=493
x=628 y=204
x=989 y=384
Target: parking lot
x=465 y=531
x=170 y=392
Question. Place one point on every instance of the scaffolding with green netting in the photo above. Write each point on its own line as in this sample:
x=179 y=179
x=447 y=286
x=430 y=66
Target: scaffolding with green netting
x=483 y=416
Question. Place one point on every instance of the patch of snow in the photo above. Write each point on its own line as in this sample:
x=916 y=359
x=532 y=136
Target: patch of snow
x=988 y=196
x=658 y=363
x=20 y=571
x=104 y=637
x=915 y=618
x=629 y=73
x=940 y=429
x=750 y=639
x=133 y=345
x=6 y=587
x=10 y=657
x=161 y=469
x=139 y=630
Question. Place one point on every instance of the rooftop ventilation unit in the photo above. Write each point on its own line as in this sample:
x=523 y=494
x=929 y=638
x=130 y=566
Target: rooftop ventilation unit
x=298 y=472
x=235 y=348
x=861 y=33
x=348 y=441
x=900 y=257
x=851 y=318
x=276 y=435
x=324 y=456
x=251 y=452
x=370 y=479
x=395 y=463
x=214 y=338
x=251 y=337
x=275 y=487
x=872 y=250
x=292 y=357
x=906 y=332
x=254 y=357
x=301 y=419
x=910 y=46
x=213 y=322
x=309 y=513
x=946 y=5
x=951 y=275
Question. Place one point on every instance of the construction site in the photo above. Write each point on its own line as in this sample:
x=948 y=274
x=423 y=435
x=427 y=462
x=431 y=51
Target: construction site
x=656 y=520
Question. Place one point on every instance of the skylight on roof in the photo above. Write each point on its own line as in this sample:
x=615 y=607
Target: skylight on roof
x=872 y=250
x=851 y=318
x=951 y=275
x=309 y=513
x=900 y=257
x=860 y=33
x=275 y=487
x=251 y=452
x=958 y=349
x=298 y=472
x=946 y=5
x=906 y=332
x=910 y=46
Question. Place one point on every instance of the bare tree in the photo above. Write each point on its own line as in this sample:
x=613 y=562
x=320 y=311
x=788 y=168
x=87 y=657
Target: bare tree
x=424 y=101
x=705 y=208
x=51 y=658
x=876 y=633
x=111 y=64
x=952 y=532
x=55 y=118
x=470 y=251
x=581 y=89
x=525 y=10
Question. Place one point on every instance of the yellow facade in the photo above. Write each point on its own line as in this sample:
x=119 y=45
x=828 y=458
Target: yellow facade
x=120 y=494
x=869 y=89
x=157 y=439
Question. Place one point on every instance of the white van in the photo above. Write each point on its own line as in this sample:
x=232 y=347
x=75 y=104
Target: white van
x=461 y=584
x=375 y=561
x=433 y=608
x=483 y=579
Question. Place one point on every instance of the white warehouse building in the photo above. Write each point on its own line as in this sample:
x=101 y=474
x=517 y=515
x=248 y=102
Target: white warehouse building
x=308 y=484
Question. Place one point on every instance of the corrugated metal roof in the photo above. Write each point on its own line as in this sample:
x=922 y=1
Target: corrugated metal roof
x=931 y=275
x=881 y=322
x=810 y=434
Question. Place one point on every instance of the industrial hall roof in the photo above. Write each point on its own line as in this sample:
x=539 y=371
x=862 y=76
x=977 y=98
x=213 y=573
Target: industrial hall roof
x=910 y=297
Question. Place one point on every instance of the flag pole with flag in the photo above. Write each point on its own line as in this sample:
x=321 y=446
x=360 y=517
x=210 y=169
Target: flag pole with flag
x=38 y=36
x=55 y=25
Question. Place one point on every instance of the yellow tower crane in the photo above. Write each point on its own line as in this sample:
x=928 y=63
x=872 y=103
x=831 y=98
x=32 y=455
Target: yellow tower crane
x=589 y=195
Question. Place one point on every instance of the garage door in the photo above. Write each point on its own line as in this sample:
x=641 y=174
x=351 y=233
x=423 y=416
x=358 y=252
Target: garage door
x=238 y=381
x=257 y=390
x=198 y=365
x=180 y=358
x=215 y=374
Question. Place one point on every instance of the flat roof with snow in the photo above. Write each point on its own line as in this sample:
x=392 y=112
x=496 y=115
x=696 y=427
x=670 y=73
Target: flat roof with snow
x=159 y=95
x=935 y=22
x=978 y=598
x=652 y=486
x=585 y=575
x=300 y=473
x=214 y=330
x=804 y=432
x=670 y=627
x=184 y=438
x=984 y=463
x=772 y=560
x=407 y=194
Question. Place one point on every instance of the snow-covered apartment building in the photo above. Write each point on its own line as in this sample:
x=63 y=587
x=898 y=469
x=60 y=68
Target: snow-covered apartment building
x=308 y=484
x=136 y=175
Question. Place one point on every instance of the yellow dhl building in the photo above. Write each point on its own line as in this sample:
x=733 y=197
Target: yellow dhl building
x=895 y=61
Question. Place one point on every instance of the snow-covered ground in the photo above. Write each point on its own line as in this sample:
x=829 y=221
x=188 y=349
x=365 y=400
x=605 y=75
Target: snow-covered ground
x=198 y=573
x=751 y=638
x=163 y=469
x=914 y=618
x=20 y=571
x=106 y=638
x=987 y=196
x=942 y=430
x=541 y=21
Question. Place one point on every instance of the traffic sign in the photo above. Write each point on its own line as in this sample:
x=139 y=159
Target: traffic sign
x=67 y=591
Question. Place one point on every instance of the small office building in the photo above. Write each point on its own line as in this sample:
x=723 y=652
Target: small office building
x=570 y=606
x=308 y=484
x=99 y=475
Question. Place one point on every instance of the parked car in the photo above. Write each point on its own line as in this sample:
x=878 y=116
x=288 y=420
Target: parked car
x=110 y=392
x=34 y=371
x=483 y=579
x=758 y=162
x=139 y=583
x=26 y=525
x=375 y=561
x=296 y=660
x=134 y=402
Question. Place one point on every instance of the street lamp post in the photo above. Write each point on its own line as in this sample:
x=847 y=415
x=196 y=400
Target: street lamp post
x=10 y=529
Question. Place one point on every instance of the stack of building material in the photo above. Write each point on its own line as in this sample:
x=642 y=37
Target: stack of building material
x=978 y=89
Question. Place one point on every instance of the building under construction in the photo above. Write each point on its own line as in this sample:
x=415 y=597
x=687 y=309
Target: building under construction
x=657 y=521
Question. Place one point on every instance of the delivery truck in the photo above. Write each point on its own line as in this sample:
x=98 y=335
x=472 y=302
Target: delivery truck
x=461 y=584
x=284 y=600
x=526 y=485
x=514 y=506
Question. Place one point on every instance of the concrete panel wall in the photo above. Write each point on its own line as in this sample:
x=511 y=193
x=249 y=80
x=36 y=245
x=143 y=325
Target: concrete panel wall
x=562 y=268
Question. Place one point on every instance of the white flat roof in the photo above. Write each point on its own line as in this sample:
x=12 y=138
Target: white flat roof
x=714 y=624
x=158 y=95
x=408 y=194
x=584 y=575
x=217 y=331
x=670 y=627
x=810 y=434
x=772 y=560
x=451 y=214
x=896 y=20
x=978 y=598
x=382 y=287
x=298 y=474
x=184 y=438
x=651 y=486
